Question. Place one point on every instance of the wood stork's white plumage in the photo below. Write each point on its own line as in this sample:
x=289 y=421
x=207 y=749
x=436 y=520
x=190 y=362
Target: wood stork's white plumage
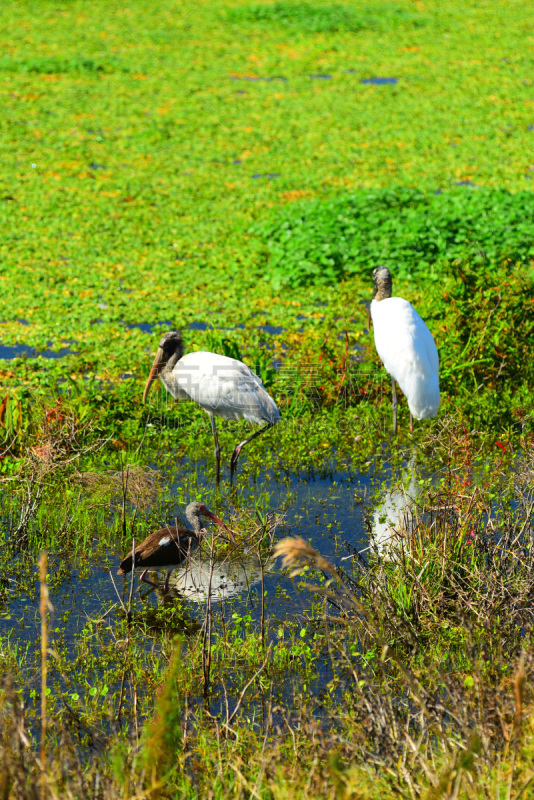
x=222 y=386
x=406 y=348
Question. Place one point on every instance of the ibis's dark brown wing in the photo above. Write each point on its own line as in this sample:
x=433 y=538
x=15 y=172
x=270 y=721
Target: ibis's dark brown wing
x=164 y=548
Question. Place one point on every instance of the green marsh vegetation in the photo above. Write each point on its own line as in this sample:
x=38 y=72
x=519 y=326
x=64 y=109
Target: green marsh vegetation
x=235 y=170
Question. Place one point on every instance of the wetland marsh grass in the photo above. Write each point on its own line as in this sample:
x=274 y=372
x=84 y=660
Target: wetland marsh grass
x=232 y=170
x=405 y=675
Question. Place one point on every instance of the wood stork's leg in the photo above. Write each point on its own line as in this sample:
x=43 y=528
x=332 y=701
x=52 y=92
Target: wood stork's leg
x=147 y=580
x=411 y=422
x=217 y=449
x=394 y=404
x=239 y=447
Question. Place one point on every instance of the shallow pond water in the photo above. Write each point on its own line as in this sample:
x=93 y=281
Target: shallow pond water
x=324 y=509
x=8 y=352
x=332 y=509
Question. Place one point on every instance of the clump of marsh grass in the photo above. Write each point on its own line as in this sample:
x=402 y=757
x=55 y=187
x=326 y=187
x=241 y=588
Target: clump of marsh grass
x=428 y=719
x=65 y=775
x=49 y=438
x=434 y=640
x=48 y=448
x=141 y=485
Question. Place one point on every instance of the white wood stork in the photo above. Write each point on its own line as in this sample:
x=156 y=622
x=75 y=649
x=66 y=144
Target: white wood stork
x=406 y=348
x=222 y=386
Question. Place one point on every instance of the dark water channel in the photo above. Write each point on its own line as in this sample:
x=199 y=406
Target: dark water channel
x=8 y=352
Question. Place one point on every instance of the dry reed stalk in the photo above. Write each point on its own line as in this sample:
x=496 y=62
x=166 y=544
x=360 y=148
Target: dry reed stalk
x=124 y=487
x=518 y=683
x=44 y=606
x=206 y=640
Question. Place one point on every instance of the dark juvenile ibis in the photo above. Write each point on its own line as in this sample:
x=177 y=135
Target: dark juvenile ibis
x=169 y=547
x=406 y=348
x=222 y=386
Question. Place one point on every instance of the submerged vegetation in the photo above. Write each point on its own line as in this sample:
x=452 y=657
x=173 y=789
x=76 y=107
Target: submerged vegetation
x=235 y=170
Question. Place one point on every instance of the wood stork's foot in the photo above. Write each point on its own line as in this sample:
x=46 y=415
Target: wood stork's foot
x=411 y=423
x=147 y=580
x=233 y=461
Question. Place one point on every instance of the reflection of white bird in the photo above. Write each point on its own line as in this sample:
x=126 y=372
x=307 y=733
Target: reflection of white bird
x=198 y=578
x=406 y=348
x=393 y=518
x=222 y=386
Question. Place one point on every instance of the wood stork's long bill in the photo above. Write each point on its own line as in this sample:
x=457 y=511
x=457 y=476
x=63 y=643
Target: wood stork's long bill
x=170 y=351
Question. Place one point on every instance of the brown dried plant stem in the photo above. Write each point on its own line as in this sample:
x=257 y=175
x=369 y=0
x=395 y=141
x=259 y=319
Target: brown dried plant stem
x=262 y=601
x=124 y=479
x=518 y=683
x=44 y=606
x=206 y=639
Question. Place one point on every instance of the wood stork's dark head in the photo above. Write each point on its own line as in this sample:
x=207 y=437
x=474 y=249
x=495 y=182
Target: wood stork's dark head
x=170 y=351
x=382 y=283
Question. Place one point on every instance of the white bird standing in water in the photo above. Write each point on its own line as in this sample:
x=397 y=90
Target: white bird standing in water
x=406 y=349
x=222 y=386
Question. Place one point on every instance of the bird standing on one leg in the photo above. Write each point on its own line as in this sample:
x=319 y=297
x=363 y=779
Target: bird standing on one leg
x=222 y=386
x=406 y=348
x=171 y=546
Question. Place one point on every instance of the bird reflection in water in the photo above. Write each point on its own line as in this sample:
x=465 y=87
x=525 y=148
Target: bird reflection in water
x=201 y=578
x=393 y=520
